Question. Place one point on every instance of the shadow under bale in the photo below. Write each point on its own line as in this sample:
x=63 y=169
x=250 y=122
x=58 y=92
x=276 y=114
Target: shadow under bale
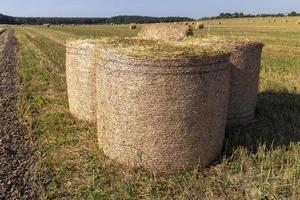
x=277 y=124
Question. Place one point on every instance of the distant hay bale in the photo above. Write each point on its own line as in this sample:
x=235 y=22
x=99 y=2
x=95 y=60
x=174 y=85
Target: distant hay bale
x=81 y=79
x=245 y=59
x=220 y=22
x=162 y=114
x=165 y=32
x=62 y=25
x=199 y=26
x=46 y=25
x=132 y=26
x=286 y=21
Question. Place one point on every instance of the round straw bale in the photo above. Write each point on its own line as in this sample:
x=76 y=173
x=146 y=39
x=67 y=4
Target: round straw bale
x=246 y=60
x=163 y=114
x=81 y=79
x=298 y=22
x=165 y=32
x=132 y=26
x=199 y=26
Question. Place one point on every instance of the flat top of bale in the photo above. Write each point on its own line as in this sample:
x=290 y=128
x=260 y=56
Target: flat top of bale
x=138 y=48
x=78 y=43
x=156 y=49
x=224 y=43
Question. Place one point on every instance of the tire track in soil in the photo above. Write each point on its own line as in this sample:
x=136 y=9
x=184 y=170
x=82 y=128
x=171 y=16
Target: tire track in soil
x=18 y=158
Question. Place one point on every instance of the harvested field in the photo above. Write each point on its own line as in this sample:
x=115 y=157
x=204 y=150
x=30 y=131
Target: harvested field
x=260 y=161
x=18 y=158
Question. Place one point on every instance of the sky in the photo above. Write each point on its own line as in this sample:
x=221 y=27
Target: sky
x=108 y=8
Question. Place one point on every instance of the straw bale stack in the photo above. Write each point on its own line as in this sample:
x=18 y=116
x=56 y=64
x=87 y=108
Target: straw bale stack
x=81 y=79
x=246 y=60
x=160 y=110
x=165 y=31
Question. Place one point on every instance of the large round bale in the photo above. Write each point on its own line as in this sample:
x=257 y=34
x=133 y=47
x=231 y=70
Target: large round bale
x=81 y=79
x=245 y=60
x=298 y=22
x=132 y=26
x=47 y=25
x=165 y=31
x=199 y=26
x=162 y=107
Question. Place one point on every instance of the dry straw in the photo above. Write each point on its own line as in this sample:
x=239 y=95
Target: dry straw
x=246 y=60
x=162 y=113
x=165 y=32
x=81 y=79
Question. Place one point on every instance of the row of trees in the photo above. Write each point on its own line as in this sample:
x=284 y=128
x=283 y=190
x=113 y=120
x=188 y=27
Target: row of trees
x=116 y=20
x=145 y=19
x=242 y=15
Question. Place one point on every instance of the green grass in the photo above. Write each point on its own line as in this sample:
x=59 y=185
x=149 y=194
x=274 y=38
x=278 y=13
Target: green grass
x=261 y=161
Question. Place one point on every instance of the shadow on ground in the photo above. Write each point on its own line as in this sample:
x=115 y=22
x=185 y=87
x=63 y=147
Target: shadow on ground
x=277 y=124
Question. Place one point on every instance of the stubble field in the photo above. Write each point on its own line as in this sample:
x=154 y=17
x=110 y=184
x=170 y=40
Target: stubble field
x=261 y=161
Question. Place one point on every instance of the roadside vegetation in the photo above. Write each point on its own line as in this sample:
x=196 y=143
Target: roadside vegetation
x=260 y=161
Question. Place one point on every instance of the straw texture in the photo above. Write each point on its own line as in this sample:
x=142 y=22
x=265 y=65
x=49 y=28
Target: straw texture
x=165 y=32
x=245 y=60
x=162 y=114
x=81 y=80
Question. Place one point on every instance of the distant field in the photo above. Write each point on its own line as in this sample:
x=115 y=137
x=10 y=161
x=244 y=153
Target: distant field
x=261 y=161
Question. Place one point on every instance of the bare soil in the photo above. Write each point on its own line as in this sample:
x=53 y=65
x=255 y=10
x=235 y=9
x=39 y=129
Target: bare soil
x=18 y=158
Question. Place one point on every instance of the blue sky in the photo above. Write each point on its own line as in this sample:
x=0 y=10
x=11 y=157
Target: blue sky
x=106 y=8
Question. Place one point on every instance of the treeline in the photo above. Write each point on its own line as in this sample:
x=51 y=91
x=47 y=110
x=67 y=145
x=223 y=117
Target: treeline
x=242 y=15
x=145 y=19
x=115 y=20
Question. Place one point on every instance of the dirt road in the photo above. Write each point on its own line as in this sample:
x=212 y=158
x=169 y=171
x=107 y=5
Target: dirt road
x=18 y=159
